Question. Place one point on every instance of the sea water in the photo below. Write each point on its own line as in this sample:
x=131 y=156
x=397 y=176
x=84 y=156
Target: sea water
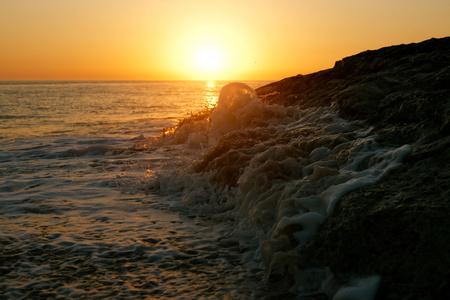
x=100 y=199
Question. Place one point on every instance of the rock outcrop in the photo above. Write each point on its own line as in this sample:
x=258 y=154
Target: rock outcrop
x=400 y=227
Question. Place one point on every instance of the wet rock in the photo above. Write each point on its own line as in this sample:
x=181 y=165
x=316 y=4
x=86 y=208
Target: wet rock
x=230 y=156
x=398 y=228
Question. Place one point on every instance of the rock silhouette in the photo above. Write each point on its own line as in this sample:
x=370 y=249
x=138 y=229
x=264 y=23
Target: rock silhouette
x=400 y=227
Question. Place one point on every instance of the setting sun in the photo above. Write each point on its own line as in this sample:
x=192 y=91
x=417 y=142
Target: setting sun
x=201 y=40
x=208 y=59
x=225 y=149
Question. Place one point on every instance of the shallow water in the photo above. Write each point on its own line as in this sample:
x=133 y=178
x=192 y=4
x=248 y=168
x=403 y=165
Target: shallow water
x=218 y=208
x=75 y=220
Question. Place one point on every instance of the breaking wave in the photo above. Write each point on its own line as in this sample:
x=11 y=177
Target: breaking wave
x=280 y=171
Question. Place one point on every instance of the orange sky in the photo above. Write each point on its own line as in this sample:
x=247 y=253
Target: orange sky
x=161 y=40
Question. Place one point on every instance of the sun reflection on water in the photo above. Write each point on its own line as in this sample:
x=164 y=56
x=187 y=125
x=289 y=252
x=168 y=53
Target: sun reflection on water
x=210 y=100
x=211 y=96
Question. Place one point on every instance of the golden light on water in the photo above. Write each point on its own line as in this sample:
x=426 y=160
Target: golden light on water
x=211 y=97
x=210 y=100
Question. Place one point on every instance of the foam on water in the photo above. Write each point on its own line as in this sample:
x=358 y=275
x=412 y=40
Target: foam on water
x=281 y=172
x=81 y=219
x=219 y=206
x=68 y=232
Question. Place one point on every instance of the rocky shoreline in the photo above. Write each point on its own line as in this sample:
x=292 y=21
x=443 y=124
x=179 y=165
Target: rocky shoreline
x=398 y=228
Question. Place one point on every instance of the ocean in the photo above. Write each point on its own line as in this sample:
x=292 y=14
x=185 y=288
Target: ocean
x=104 y=193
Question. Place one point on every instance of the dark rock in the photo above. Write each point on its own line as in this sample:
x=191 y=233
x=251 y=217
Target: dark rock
x=399 y=228
x=229 y=158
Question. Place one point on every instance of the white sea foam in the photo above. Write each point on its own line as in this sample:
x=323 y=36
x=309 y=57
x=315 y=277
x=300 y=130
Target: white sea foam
x=80 y=217
x=291 y=180
x=249 y=186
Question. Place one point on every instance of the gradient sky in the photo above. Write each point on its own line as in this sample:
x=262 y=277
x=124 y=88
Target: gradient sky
x=163 y=39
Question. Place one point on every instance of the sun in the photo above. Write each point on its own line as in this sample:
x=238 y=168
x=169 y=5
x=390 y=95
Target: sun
x=208 y=58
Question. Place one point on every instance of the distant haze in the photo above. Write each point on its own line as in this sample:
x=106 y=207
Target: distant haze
x=199 y=39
